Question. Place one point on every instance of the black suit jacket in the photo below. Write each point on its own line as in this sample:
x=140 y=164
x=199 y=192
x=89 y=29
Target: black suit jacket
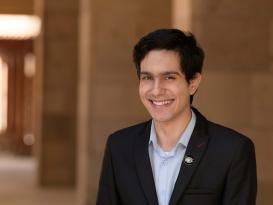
x=223 y=171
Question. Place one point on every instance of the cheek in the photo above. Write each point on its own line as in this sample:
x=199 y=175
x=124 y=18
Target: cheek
x=187 y=89
x=142 y=97
x=142 y=89
x=183 y=92
x=141 y=92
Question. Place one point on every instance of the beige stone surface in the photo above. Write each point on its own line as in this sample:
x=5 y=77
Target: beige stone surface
x=265 y=192
x=19 y=187
x=262 y=100
x=57 y=51
x=225 y=97
x=235 y=34
x=16 y=6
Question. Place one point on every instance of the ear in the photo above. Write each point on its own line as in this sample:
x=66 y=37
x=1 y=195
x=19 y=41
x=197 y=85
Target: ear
x=194 y=83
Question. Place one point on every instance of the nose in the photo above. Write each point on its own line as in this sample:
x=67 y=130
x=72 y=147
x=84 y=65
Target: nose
x=158 y=87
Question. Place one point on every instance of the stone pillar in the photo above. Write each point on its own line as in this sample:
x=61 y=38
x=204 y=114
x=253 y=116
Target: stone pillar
x=238 y=76
x=57 y=71
x=108 y=81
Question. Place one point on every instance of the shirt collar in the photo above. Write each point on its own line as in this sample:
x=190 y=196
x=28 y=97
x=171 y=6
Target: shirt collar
x=184 y=138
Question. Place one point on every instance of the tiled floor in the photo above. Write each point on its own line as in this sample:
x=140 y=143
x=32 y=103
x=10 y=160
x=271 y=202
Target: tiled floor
x=18 y=187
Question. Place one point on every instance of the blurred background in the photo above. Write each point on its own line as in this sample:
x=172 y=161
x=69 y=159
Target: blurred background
x=67 y=81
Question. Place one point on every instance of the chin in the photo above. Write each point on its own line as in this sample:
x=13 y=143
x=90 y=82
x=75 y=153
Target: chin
x=161 y=118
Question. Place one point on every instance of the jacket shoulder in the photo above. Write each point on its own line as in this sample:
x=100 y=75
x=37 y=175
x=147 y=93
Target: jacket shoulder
x=128 y=134
x=227 y=136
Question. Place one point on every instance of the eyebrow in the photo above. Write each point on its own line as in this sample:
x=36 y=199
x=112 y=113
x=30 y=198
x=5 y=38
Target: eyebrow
x=163 y=73
x=171 y=73
x=144 y=73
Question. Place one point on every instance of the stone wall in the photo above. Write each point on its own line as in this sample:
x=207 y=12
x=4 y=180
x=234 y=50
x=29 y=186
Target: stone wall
x=238 y=76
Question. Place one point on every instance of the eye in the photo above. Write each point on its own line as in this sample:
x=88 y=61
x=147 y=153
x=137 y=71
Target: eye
x=146 y=77
x=170 y=77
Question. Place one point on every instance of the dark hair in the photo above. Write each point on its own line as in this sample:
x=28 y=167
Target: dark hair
x=190 y=53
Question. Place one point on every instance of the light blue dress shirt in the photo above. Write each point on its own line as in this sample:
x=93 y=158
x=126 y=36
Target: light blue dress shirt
x=166 y=165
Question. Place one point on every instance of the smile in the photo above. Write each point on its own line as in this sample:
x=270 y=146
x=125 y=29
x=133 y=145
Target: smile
x=161 y=102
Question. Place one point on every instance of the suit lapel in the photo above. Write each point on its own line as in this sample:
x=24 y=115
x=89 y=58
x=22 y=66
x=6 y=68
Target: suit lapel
x=196 y=148
x=143 y=165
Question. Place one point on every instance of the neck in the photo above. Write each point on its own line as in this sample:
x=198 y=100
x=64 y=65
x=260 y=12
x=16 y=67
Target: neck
x=168 y=133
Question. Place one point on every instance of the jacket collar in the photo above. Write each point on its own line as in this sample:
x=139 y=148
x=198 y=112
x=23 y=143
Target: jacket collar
x=195 y=150
x=143 y=165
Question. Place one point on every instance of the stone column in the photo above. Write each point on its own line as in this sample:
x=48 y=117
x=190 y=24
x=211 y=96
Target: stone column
x=238 y=76
x=108 y=81
x=57 y=73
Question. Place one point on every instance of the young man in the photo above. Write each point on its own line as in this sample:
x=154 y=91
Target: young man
x=178 y=157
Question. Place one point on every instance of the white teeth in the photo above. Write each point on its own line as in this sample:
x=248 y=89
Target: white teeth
x=164 y=102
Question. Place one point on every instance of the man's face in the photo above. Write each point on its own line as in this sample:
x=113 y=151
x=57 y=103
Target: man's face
x=163 y=88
